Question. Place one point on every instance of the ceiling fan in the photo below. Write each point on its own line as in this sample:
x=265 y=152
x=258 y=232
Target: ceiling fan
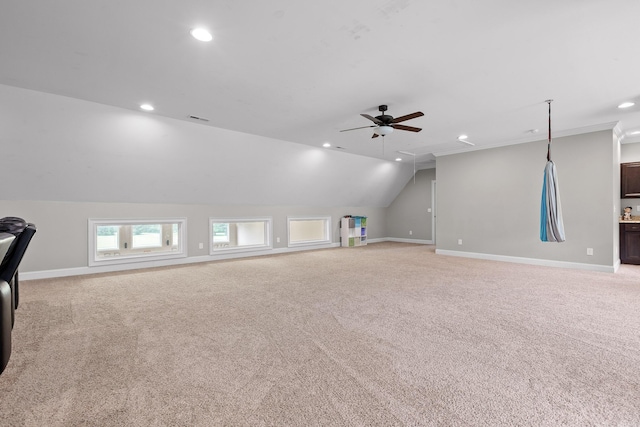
x=385 y=123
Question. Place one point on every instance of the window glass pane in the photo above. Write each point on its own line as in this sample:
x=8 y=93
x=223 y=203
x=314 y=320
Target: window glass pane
x=146 y=236
x=220 y=232
x=251 y=233
x=175 y=234
x=307 y=230
x=107 y=237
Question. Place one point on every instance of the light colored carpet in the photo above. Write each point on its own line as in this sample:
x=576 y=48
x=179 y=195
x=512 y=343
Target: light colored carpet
x=383 y=335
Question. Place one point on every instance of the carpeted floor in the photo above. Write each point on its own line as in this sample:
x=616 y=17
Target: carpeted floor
x=383 y=335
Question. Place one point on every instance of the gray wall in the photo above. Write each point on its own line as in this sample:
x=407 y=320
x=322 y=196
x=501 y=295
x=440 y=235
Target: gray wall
x=63 y=149
x=491 y=199
x=66 y=160
x=409 y=211
x=61 y=241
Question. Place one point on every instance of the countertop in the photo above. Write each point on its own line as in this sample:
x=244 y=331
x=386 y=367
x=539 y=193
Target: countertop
x=634 y=220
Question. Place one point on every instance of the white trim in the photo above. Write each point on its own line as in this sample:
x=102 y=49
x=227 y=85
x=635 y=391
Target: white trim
x=397 y=239
x=617 y=265
x=327 y=230
x=434 y=214
x=531 y=261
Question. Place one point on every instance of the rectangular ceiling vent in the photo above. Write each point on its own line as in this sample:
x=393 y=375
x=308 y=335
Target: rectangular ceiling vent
x=202 y=119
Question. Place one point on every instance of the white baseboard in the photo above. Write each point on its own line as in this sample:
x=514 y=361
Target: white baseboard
x=397 y=239
x=79 y=271
x=531 y=261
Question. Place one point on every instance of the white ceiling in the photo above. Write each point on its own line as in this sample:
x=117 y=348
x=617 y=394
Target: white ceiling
x=301 y=71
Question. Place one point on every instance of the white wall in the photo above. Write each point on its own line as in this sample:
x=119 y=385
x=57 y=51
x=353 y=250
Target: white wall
x=491 y=200
x=63 y=149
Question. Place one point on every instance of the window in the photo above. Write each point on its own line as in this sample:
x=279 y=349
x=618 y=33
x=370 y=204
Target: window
x=307 y=231
x=120 y=241
x=240 y=234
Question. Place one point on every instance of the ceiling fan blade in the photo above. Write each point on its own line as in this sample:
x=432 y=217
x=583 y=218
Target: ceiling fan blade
x=375 y=135
x=409 y=128
x=361 y=127
x=407 y=117
x=373 y=119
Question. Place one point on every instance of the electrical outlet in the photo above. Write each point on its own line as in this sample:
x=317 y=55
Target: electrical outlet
x=428 y=209
x=277 y=240
x=201 y=246
x=459 y=241
x=638 y=208
x=410 y=233
x=589 y=251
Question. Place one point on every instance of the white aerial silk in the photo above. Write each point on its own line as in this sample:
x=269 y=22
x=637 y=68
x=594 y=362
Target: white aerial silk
x=551 y=226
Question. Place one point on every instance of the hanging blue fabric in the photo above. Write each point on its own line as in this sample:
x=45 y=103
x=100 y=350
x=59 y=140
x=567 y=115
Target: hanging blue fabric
x=551 y=224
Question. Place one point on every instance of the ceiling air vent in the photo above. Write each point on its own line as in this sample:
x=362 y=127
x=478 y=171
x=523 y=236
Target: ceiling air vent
x=202 y=119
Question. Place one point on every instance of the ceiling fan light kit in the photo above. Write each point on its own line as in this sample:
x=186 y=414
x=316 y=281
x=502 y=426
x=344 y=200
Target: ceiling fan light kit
x=383 y=130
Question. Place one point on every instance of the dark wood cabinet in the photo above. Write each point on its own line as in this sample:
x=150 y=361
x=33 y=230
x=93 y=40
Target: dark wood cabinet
x=630 y=180
x=630 y=243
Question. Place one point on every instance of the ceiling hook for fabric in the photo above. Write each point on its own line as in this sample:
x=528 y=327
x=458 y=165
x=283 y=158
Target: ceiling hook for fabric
x=549 y=101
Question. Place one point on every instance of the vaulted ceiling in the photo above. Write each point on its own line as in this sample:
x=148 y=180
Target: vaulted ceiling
x=301 y=71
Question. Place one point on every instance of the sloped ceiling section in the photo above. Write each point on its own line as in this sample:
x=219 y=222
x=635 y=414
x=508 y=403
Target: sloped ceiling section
x=301 y=71
x=56 y=148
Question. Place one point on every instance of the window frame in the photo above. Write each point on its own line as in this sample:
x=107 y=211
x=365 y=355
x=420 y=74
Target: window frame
x=320 y=242
x=215 y=248
x=95 y=260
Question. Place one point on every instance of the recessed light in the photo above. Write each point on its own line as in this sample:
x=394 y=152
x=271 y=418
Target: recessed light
x=626 y=104
x=398 y=159
x=147 y=107
x=201 y=34
x=326 y=145
x=635 y=132
x=461 y=137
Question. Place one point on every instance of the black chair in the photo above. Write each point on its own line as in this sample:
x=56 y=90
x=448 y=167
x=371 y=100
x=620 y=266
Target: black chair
x=11 y=262
x=6 y=305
